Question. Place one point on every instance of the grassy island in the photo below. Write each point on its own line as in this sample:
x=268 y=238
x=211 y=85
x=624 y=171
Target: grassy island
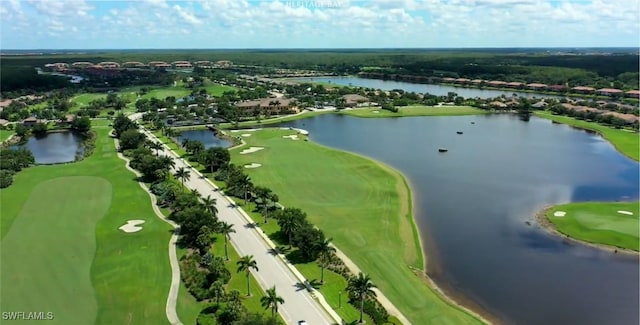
x=415 y=110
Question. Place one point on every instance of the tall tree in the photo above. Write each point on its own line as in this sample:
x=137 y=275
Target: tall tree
x=183 y=175
x=361 y=287
x=245 y=264
x=325 y=250
x=226 y=229
x=210 y=205
x=271 y=300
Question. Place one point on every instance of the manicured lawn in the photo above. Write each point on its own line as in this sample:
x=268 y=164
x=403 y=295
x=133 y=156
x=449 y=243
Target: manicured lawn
x=62 y=249
x=627 y=142
x=5 y=134
x=281 y=119
x=85 y=99
x=415 y=110
x=162 y=93
x=363 y=205
x=599 y=222
x=217 y=90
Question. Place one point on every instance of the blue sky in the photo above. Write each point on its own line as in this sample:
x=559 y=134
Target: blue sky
x=86 y=24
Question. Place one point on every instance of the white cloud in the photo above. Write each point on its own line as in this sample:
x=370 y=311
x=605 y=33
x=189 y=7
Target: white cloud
x=325 y=23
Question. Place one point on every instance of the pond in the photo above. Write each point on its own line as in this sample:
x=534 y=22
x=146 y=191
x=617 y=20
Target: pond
x=55 y=147
x=472 y=205
x=207 y=137
x=438 y=90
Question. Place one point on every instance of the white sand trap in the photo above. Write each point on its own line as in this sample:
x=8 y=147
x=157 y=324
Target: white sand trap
x=559 y=214
x=246 y=135
x=375 y=112
x=292 y=137
x=243 y=130
x=629 y=213
x=132 y=226
x=252 y=165
x=250 y=150
x=303 y=132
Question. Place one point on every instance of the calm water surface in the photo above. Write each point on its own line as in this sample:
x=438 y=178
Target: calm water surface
x=205 y=136
x=473 y=201
x=438 y=90
x=57 y=147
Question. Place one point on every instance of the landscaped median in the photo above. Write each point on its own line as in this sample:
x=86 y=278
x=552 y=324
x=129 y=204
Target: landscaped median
x=612 y=224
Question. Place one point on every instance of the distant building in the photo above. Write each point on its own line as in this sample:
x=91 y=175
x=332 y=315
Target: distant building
x=537 y=86
x=609 y=92
x=496 y=83
x=583 y=90
x=109 y=65
x=30 y=121
x=633 y=93
x=514 y=84
x=352 y=100
x=271 y=105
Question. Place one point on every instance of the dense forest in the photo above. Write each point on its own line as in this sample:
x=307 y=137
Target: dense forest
x=618 y=70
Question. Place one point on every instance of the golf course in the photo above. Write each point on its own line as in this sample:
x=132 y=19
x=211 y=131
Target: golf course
x=606 y=223
x=365 y=206
x=415 y=110
x=63 y=251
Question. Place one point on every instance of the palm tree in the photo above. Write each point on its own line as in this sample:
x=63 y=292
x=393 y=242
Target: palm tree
x=217 y=290
x=210 y=205
x=246 y=263
x=361 y=287
x=157 y=146
x=264 y=194
x=183 y=175
x=289 y=224
x=226 y=229
x=244 y=183
x=271 y=300
x=325 y=249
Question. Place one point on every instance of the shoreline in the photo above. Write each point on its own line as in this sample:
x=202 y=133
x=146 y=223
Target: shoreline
x=548 y=226
x=481 y=315
x=587 y=128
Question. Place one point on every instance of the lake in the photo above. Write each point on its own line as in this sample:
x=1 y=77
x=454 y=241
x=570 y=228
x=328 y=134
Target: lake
x=55 y=147
x=205 y=136
x=472 y=204
x=438 y=90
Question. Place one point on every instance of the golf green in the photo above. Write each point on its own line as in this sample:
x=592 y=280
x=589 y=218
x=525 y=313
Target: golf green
x=62 y=250
x=363 y=205
x=609 y=223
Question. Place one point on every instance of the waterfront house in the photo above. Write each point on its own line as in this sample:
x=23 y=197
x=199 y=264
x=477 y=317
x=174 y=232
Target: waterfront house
x=353 y=100
x=558 y=88
x=583 y=90
x=496 y=83
x=633 y=93
x=514 y=84
x=270 y=105
x=30 y=121
x=609 y=92
x=537 y=86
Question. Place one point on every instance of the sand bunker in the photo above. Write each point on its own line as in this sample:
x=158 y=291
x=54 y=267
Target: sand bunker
x=132 y=226
x=246 y=135
x=292 y=137
x=559 y=214
x=250 y=150
x=629 y=213
x=376 y=112
x=303 y=132
x=252 y=165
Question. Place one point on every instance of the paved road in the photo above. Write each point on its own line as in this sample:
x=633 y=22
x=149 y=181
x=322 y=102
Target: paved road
x=299 y=305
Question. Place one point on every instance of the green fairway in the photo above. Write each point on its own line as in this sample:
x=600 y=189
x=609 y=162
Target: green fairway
x=627 y=142
x=217 y=90
x=61 y=243
x=85 y=99
x=162 y=93
x=365 y=206
x=599 y=222
x=280 y=119
x=47 y=252
x=5 y=134
x=415 y=110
